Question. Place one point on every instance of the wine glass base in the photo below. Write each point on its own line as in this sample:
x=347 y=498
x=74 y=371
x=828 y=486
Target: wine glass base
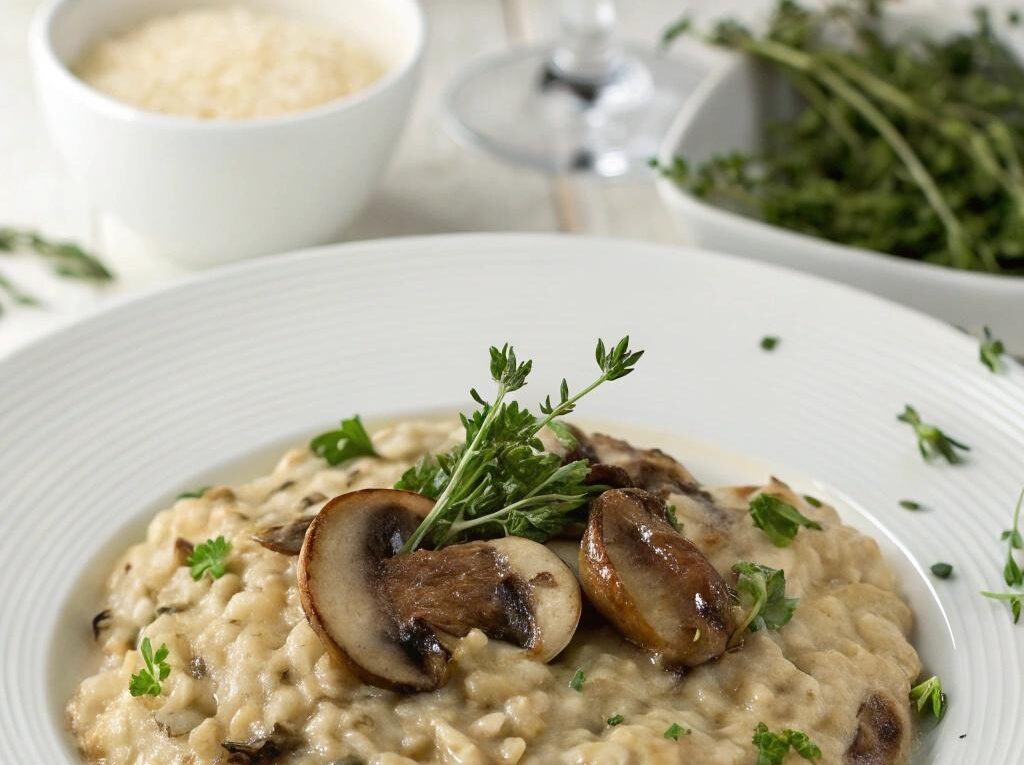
x=517 y=106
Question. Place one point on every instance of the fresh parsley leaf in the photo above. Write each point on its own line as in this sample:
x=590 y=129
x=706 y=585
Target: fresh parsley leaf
x=147 y=681
x=929 y=694
x=1012 y=574
x=576 y=683
x=778 y=519
x=670 y=515
x=769 y=342
x=942 y=570
x=931 y=441
x=762 y=595
x=209 y=557
x=193 y=494
x=1014 y=599
x=772 y=748
x=812 y=501
x=563 y=434
x=675 y=730
x=616 y=720
x=909 y=504
x=500 y=480
x=990 y=351
x=347 y=442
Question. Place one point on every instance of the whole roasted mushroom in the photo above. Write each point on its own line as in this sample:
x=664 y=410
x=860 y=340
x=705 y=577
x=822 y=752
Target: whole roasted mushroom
x=651 y=582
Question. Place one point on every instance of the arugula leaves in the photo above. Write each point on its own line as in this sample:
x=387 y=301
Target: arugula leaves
x=500 y=480
x=347 y=442
x=147 y=681
x=928 y=694
x=778 y=519
x=772 y=748
x=209 y=557
x=931 y=441
x=762 y=595
x=990 y=351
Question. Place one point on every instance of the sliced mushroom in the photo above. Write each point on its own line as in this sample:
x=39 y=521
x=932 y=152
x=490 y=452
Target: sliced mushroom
x=881 y=737
x=262 y=750
x=388 y=617
x=651 y=582
x=285 y=539
x=100 y=622
x=178 y=722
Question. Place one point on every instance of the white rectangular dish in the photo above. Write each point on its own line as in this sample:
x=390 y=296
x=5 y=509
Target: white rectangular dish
x=728 y=113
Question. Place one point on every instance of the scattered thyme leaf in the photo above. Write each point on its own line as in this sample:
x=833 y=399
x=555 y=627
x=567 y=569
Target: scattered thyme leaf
x=928 y=694
x=147 y=681
x=778 y=519
x=347 y=442
x=812 y=501
x=1014 y=599
x=673 y=519
x=1012 y=574
x=193 y=493
x=616 y=720
x=769 y=343
x=931 y=441
x=210 y=556
x=576 y=683
x=942 y=570
x=990 y=351
x=909 y=504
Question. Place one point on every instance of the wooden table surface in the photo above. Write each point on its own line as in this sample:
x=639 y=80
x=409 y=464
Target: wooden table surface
x=432 y=186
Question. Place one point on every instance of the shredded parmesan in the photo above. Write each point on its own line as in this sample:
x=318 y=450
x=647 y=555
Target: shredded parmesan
x=227 y=63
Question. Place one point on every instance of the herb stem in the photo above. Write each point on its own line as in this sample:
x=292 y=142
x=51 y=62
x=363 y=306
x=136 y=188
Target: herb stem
x=519 y=505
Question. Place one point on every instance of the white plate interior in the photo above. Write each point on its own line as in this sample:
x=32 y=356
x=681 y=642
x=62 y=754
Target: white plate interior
x=195 y=382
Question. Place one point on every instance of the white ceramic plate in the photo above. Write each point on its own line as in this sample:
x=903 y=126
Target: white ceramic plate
x=105 y=421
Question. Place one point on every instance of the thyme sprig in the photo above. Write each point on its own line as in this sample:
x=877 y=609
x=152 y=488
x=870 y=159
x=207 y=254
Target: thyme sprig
x=66 y=259
x=500 y=480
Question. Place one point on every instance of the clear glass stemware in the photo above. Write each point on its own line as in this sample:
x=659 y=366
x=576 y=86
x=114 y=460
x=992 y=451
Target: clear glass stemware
x=586 y=104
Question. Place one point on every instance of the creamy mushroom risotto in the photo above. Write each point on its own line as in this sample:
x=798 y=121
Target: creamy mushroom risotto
x=315 y=617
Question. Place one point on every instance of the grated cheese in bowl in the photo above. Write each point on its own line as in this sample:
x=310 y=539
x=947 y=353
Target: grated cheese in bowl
x=227 y=63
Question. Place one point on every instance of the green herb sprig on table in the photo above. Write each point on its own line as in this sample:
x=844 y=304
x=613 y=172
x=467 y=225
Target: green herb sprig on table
x=990 y=351
x=902 y=144
x=67 y=260
x=500 y=480
x=931 y=441
x=772 y=748
x=1012 y=573
x=147 y=681
x=778 y=519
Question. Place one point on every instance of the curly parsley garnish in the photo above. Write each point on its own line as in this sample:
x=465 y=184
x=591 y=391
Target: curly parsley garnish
x=675 y=730
x=347 y=442
x=578 y=678
x=762 y=595
x=990 y=351
x=931 y=441
x=929 y=695
x=772 y=748
x=500 y=480
x=778 y=519
x=147 y=681
x=209 y=557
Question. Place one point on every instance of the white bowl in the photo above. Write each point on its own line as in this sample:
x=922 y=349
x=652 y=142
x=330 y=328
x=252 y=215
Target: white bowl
x=727 y=113
x=210 y=191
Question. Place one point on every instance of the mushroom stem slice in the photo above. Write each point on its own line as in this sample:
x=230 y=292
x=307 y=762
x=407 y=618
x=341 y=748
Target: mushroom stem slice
x=651 y=582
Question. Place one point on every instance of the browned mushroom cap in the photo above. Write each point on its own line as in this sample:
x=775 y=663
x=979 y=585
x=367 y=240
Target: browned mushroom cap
x=338 y=577
x=651 y=582
x=285 y=539
x=388 y=617
x=881 y=737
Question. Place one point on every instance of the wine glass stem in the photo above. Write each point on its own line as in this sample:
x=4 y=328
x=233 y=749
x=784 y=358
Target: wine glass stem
x=587 y=51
